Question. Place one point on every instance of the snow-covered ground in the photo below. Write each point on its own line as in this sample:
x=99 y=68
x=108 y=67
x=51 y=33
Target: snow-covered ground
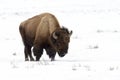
x=94 y=51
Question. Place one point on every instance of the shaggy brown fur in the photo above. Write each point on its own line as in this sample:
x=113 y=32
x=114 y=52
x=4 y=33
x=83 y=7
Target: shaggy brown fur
x=44 y=32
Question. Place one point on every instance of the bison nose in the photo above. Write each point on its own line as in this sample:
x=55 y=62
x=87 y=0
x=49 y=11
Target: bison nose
x=62 y=54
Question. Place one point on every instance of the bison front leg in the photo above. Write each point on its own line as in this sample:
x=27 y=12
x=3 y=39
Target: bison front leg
x=51 y=53
x=38 y=51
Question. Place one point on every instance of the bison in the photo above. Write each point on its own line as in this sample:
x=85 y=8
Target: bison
x=44 y=32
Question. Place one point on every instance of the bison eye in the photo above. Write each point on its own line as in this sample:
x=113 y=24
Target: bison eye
x=66 y=39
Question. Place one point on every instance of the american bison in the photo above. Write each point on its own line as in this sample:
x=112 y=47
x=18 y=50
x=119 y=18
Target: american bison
x=44 y=32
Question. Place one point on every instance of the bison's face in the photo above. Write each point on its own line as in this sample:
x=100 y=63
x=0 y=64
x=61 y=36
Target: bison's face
x=61 y=41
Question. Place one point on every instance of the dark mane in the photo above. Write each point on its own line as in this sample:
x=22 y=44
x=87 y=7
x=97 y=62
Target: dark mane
x=65 y=29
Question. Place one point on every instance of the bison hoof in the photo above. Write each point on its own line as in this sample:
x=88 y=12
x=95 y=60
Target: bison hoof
x=52 y=59
x=26 y=59
x=37 y=60
x=31 y=59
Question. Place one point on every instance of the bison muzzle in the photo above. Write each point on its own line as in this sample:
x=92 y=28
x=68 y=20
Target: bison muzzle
x=44 y=32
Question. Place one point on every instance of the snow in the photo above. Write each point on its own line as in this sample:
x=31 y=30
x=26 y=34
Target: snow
x=94 y=52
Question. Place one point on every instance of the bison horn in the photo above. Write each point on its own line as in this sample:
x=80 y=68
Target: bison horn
x=55 y=36
x=70 y=33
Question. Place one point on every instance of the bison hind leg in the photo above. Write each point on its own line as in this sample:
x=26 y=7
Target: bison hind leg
x=28 y=53
x=31 y=59
x=26 y=59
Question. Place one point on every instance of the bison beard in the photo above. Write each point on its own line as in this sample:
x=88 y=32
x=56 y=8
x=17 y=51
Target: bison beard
x=44 y=32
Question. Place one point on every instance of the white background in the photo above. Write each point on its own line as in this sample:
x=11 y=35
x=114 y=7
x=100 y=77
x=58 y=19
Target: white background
x=94 y=51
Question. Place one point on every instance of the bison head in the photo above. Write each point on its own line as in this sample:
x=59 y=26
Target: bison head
x=60 y=40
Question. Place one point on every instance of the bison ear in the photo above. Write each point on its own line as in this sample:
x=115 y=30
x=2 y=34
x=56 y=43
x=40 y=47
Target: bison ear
x=55 y=36
x=70 y=33
x=63 y=26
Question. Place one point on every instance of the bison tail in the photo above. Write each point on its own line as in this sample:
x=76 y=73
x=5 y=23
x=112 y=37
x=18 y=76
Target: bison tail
x=22 y=33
